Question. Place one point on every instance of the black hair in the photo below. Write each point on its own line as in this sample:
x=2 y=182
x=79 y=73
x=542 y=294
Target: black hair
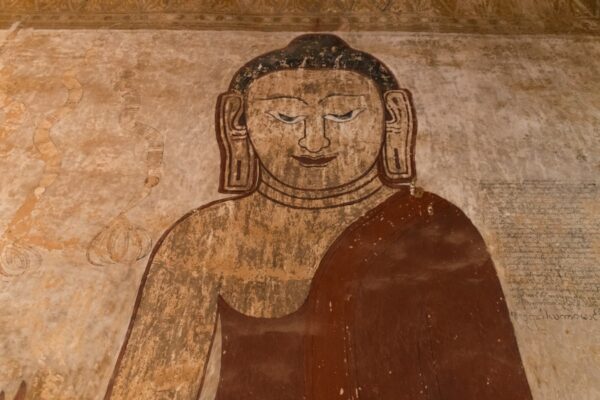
x=315 y=51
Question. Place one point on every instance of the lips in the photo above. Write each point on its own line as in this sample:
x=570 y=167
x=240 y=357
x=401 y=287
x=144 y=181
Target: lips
x=312 y=161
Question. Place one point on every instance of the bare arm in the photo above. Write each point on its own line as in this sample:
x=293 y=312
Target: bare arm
x=169 y=337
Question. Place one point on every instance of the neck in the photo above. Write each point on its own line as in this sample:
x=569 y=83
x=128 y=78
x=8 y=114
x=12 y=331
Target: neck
x=350 y=193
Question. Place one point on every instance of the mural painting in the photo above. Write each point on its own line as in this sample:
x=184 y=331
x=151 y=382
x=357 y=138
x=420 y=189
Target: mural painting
x=330 y=274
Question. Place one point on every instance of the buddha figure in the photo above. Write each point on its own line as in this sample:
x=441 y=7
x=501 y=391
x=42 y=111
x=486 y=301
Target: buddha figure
x=327 y=276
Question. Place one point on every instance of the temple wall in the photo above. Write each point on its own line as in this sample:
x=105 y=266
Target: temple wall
x=108 y=137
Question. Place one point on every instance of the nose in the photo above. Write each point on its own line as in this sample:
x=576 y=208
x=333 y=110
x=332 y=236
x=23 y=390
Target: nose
x=315 y=138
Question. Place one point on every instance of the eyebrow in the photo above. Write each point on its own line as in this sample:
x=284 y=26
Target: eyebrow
x=280 y=96
x=340 y=95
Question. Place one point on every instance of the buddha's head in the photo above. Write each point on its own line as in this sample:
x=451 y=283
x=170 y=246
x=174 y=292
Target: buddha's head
x=315 y=115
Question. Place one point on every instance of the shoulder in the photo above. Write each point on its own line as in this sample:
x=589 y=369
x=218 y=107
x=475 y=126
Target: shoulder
x=195 y=229
x=454 y=225
x=216 y=215
x=405 y=203
x=434 y=232
x=430 y=213
x=434 y=202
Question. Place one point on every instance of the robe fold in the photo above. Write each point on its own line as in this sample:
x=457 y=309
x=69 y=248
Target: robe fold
x=405 y=305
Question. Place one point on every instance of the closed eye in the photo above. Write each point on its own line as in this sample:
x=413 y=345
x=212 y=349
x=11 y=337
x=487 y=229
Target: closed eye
x=288 y=119
x=349 y=116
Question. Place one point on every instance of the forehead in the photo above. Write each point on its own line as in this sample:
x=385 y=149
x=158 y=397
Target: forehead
x=305 y=82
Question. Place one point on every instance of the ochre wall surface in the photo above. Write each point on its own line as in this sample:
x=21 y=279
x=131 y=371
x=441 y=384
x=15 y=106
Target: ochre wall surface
x=108 y=137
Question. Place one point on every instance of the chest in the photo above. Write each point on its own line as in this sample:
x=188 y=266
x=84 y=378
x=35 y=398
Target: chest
x=268 y=268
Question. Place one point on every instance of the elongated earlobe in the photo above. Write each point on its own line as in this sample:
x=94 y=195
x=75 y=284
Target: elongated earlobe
x=239 y=165
x=397 y=162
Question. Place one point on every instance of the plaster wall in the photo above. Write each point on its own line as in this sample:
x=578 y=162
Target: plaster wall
x=113 y=131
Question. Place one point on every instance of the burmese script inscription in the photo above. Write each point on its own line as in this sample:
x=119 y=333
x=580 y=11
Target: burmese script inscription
x=548 y=241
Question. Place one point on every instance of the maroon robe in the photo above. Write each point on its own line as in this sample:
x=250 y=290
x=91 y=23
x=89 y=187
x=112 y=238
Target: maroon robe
x=405 y=305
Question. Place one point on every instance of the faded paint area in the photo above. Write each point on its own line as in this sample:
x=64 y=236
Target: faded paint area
x=107 y=138
x=257 y=280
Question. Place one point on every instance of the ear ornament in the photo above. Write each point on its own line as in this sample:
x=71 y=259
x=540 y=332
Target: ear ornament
x=239 y=165
x=397 y=164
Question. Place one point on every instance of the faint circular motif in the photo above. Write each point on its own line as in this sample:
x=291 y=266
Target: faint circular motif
x=16 y=259
x=119 y=243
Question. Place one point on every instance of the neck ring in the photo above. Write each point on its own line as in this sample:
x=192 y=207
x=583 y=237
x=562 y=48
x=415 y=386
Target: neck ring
x=347 y=194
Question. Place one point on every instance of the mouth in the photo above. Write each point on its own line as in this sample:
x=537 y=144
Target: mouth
x=312 y=161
